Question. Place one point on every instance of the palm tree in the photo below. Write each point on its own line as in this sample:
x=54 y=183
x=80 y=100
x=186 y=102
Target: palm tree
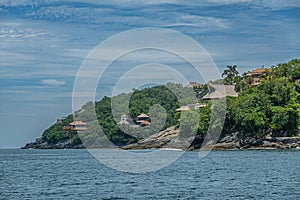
x=231 y=74
x=242 y=82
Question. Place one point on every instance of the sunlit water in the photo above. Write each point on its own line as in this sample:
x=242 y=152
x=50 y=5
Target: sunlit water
x=75 y=174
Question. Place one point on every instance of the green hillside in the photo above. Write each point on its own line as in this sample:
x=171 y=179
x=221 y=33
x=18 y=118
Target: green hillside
x=271 y=108
x=140 y=102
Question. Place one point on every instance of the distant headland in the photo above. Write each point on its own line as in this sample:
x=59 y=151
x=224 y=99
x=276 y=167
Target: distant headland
x=262 y=111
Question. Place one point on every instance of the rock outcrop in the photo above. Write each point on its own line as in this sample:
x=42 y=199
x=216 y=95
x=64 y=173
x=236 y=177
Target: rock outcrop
x=39 y=143
x=170 y=138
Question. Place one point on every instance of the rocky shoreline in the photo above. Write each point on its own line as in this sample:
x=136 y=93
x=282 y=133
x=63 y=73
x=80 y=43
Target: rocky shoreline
x=267 y=143
x=170 y=138
x=39 y=143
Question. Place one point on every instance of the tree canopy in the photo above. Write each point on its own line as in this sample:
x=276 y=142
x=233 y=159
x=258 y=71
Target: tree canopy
x=230 y=74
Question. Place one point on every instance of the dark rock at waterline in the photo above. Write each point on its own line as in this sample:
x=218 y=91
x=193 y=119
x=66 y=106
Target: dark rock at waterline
x=170 y=138
x=229 y=138
x=41 y=144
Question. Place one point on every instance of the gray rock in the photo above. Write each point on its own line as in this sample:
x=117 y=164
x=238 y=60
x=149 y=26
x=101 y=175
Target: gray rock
x=229 y=138
x=39 y=143
x=169 y=138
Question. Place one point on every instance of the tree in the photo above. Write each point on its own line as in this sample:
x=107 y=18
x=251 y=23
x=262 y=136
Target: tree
x=230 y=75
x=250 y=113
x=284 y=121
x=242 y=82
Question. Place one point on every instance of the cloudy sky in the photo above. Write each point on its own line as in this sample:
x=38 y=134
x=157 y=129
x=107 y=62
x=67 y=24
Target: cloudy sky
x=43 y=43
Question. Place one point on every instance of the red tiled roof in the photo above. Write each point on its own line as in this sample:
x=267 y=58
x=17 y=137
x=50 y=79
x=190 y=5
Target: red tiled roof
x=145 y=122
x=259 y=70
x=77 y=123
x=66 y=127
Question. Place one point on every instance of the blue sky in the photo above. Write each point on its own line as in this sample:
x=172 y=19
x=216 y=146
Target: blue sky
x=43 y=43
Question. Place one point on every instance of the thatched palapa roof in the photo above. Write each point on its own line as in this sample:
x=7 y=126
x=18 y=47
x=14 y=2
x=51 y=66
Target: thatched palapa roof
x=75 y=123
x=183 y=108
x=218 y=91
x=142 y=116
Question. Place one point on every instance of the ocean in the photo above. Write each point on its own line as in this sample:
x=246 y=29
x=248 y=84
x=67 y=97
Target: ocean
x=76 y=174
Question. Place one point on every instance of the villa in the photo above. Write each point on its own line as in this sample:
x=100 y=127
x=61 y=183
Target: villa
x=124 y=120
x=194 y=85
x=143 y=120
x=183 y=108
x=145 y=124
x=78 y=126
x=191 y=107
x=255 y=75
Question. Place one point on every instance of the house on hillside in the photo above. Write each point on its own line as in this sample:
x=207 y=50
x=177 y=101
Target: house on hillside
x=142 y=117
x=145 y=124
x=191 y=107
x=194 y=85
x=218 y=91
x=143 y=120
x=255 y=75
x=183 y=108
x=78 y=126
x=124 y=120
x=200 y=105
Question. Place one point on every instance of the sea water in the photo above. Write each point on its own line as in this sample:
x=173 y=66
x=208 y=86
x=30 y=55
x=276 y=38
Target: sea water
x=76 y=174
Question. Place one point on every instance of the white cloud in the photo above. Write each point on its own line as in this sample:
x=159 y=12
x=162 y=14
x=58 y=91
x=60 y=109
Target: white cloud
x=53 y=82
x=20 y=29
x=229 y=1
x=278 y=4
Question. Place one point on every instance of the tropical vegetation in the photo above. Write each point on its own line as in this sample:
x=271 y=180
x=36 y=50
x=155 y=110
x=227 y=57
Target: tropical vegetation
x=272 y=108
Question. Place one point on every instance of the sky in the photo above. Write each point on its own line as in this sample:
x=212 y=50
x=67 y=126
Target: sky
x=43 y=44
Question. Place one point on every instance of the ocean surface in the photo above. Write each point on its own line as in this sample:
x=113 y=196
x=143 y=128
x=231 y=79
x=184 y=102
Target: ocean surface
x=76 y=174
